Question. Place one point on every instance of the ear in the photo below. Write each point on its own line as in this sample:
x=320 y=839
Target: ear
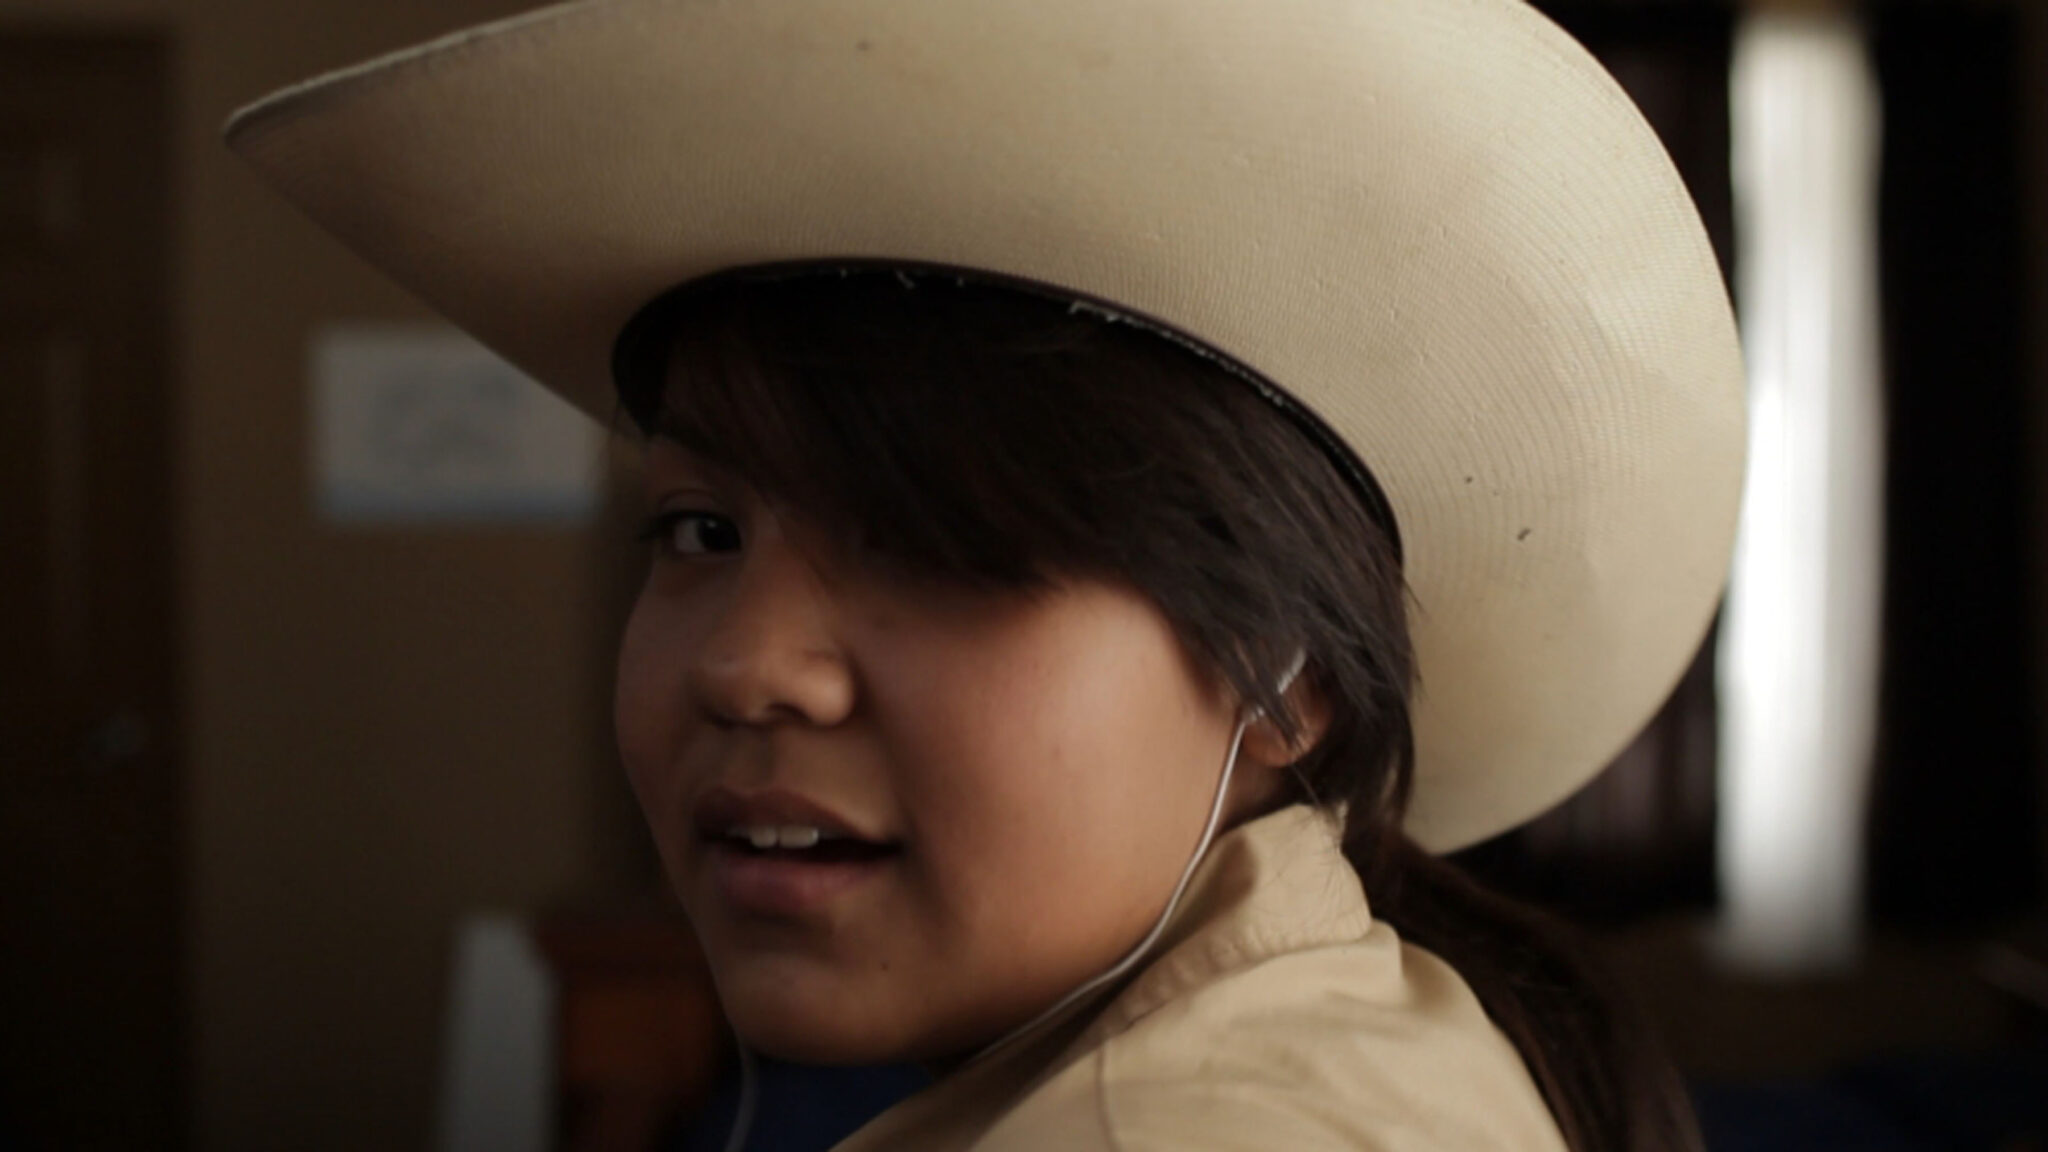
x=1265 y=747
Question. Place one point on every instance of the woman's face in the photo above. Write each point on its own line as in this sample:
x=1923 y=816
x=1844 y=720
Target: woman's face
x=903 y=818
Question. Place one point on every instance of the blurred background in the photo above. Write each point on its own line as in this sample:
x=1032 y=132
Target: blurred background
x=311 y=831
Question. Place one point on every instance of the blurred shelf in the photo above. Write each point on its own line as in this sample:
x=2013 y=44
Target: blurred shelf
x=639 y=1035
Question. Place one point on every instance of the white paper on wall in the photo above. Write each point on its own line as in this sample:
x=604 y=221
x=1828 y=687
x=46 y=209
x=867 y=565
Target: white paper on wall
x=421 y=424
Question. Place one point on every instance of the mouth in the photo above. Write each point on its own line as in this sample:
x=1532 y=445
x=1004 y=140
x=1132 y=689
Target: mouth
x=800 y=844
x=781 y=855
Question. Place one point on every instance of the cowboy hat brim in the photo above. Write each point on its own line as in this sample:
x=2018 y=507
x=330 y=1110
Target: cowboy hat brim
x=1438 y=225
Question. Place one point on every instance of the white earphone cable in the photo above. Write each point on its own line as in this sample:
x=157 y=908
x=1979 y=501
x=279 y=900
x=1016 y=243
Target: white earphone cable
x=1137 y=953
x=1187 y=874
x=749 y=1103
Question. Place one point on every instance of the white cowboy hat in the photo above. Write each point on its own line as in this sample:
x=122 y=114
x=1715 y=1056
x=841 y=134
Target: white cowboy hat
x=1438 y=224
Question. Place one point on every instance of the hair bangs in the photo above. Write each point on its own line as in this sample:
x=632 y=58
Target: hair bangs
x=964 y=432
x=988 y=436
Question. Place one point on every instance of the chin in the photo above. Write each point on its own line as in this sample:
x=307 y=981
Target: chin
x=807 y=1023
x=836 y=1037
x=810 y=1038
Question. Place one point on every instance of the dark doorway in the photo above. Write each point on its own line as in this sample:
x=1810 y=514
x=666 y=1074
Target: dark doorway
x=1956 y=812
x=91 y=813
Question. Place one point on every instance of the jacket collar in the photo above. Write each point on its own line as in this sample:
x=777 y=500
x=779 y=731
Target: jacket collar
x=1273 y=885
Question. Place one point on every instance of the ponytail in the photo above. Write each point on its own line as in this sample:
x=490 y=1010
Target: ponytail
x=1586 y=1044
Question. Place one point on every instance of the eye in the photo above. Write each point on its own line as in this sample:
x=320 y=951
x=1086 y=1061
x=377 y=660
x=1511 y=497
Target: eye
x=687 y=532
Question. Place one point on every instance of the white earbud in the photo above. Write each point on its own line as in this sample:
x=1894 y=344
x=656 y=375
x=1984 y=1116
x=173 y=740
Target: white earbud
x=1294 y=668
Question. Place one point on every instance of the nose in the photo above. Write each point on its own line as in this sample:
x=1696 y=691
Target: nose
x=771 y=655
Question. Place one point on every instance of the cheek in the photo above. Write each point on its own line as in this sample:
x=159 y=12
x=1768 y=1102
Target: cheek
x=1054 y=821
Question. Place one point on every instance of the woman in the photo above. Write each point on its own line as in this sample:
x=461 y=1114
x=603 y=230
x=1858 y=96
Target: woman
x=1045 y=408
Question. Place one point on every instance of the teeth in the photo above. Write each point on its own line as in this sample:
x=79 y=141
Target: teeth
x=766 y=836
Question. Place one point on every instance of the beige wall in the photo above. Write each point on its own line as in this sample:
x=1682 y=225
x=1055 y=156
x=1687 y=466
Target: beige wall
x=385 y=729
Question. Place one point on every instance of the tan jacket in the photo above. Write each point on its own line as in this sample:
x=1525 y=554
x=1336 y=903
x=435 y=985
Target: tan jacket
x=1279 y=1015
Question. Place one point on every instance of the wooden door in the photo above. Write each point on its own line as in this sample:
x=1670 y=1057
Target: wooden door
x=91 y=851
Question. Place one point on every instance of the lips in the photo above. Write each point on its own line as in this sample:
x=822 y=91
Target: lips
x=780 y=855
x=722 y=811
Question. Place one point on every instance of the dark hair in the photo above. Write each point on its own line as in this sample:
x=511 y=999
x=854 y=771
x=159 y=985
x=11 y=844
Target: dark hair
x=982 y=435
